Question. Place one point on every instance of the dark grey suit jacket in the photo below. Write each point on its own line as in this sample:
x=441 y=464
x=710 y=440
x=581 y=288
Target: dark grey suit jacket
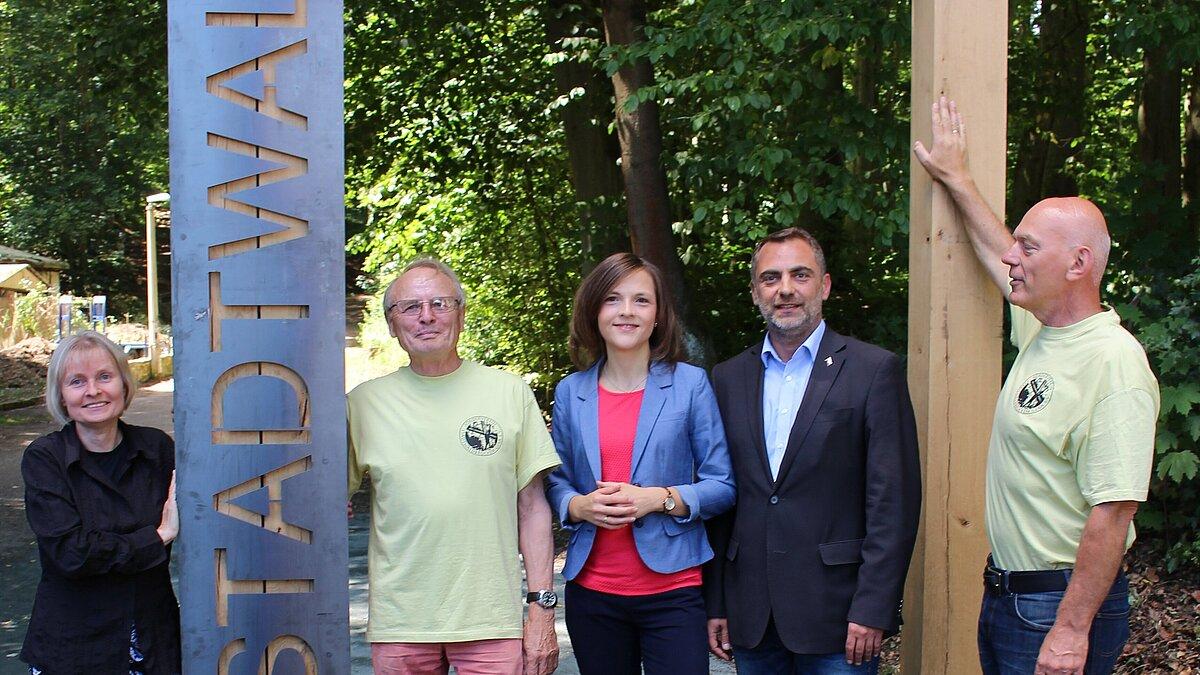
x=830 y=540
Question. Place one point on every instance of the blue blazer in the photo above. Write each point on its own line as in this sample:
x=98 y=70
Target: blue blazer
x=680 y=443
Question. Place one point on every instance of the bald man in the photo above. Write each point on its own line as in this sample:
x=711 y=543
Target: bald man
x=1073 y=435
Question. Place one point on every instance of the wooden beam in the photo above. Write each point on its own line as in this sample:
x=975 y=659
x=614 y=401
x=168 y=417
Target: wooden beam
x=954 y=323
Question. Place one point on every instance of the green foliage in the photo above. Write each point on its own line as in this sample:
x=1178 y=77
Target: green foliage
x=83 y=110
x=384 y=352
x=780 y=114
x=1113 y=173
x=34 y=311
x=1168 y=324
x=773 y=114
x=455 y=152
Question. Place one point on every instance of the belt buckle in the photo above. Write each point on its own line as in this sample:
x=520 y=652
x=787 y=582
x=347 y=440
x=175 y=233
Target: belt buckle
x=993 y=580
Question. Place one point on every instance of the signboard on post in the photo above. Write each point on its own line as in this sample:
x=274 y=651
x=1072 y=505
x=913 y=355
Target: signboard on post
x=259 y=319
x=66 y=304
x=99 y=312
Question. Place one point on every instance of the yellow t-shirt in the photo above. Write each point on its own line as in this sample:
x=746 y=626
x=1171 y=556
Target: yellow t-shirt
x=1074 y=427
x=447 y=456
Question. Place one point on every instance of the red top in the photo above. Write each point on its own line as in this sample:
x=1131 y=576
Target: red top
x=614 y=566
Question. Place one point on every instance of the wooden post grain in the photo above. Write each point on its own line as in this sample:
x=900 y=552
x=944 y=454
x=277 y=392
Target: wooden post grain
x=954 y=338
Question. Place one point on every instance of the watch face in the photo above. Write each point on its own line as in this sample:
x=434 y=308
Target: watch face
x=668 y=503
x=546 y=599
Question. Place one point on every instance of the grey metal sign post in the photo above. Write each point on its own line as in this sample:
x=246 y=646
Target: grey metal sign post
x=259 y=319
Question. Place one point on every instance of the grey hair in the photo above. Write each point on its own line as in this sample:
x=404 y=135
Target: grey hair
x=1098 y=241
x=428 y=262
x=785 y=235
x=88 y=339
x=1101 y=245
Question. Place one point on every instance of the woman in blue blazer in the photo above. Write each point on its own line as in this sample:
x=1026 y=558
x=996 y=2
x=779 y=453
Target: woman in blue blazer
x=644 y=463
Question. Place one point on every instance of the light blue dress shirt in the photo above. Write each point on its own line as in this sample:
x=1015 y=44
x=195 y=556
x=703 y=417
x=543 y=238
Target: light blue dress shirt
x=784 y=385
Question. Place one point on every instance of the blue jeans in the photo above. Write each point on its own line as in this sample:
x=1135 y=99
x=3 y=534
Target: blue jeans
x=1012 y=628
x=771 y=657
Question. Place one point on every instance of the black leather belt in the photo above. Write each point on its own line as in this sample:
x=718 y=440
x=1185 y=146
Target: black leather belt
x=1003 y=582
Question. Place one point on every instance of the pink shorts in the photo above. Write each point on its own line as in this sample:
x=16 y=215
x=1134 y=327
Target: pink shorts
x=477 y=657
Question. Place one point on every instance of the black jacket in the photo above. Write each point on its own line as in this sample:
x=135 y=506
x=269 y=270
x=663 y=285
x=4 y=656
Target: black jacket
x=103 y=564
x=830 y=540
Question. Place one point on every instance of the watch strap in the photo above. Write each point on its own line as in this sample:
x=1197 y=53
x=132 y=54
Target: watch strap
x=547 y=598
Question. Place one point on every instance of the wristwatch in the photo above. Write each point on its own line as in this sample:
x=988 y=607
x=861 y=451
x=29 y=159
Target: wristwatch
x=547 y=599
x=669 y=502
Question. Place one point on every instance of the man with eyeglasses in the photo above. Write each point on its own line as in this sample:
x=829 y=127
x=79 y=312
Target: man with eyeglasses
x=456 y=452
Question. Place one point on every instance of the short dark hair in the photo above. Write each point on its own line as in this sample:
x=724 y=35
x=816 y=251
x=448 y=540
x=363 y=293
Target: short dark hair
x=586 y=343
x=785 y=235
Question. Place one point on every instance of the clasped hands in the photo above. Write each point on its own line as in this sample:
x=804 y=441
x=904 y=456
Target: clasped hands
x=613 y=505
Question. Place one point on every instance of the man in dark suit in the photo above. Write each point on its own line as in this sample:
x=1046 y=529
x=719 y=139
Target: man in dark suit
x=810 y=565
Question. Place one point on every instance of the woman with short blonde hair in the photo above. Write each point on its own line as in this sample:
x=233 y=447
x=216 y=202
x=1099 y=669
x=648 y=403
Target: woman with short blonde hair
x=100 y=497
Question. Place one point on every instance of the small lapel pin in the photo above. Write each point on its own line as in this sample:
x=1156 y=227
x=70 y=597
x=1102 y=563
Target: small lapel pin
x=829 y=360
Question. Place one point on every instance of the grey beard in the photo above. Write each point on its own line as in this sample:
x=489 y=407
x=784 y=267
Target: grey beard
x=807 y=324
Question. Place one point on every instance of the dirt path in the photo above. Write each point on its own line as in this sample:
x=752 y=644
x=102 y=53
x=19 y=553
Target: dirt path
x=18 y=552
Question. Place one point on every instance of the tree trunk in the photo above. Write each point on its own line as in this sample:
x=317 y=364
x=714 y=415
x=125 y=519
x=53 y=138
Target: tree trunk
x=1191 y=154
x=647 y=203
x=864 y=81
x=592 y=150
x=1059 y=114
x=1158 y=139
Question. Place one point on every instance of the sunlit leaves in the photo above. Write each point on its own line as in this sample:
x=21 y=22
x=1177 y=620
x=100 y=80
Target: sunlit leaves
x=466 y=162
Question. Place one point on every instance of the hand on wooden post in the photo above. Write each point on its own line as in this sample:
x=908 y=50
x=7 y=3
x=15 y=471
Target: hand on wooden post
x=946 y=159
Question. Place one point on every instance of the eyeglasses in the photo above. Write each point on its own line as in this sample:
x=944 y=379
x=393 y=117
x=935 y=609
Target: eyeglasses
x=413 y=307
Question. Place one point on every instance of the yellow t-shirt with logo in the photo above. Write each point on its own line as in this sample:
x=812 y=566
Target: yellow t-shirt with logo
x=1074 y=427
x=447 y=456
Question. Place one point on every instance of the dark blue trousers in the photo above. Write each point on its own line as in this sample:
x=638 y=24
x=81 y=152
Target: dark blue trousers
x=621 y=634
x=771 y=657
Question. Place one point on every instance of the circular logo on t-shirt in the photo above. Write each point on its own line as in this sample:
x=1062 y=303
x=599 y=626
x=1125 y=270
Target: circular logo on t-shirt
x=481 y=435
x=1035 y=393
